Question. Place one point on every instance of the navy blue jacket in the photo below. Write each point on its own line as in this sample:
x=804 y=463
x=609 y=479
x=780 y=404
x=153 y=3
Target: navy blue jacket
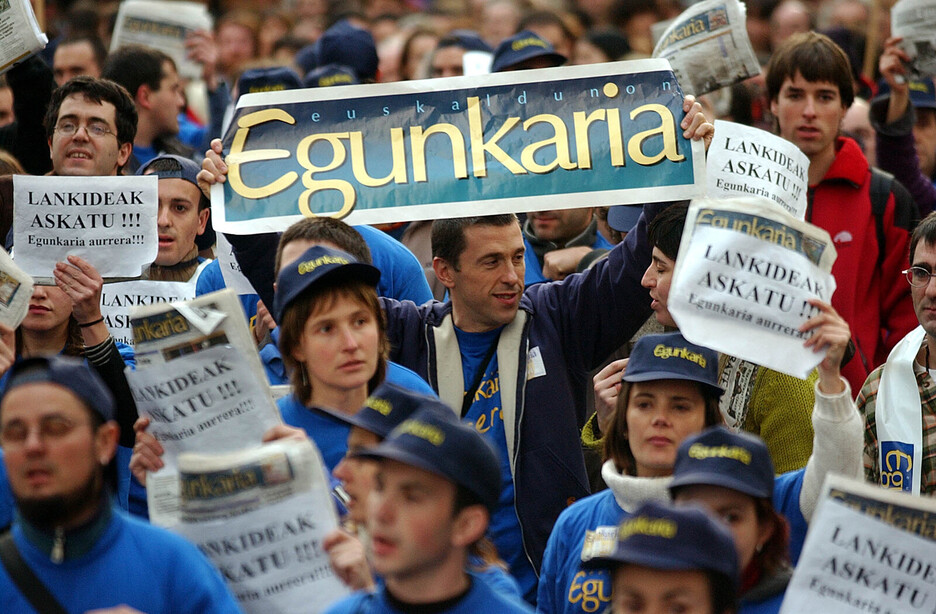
x=562 y=331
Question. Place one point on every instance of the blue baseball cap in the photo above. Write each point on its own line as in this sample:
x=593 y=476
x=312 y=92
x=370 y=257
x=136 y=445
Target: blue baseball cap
x=273 y=79
x=68 y=372
x=469 y=40
x=671 y=356
x=329 y=75
x=663 y=536
x=719 y=457
x=922 y=93
x=438 y=442
x=623 y=218
x=188 y=169
x=387 y=406
x=316 y=265
x=349 y=46
x=521 y=47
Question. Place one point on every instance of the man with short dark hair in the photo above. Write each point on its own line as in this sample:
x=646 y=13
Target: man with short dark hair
x=83 y=54
x=557 y=240
x=153 y=82
x=59 y=438
x=809 y=84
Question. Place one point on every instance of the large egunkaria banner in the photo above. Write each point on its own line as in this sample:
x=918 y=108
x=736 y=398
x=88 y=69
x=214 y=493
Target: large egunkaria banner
x=578 y=136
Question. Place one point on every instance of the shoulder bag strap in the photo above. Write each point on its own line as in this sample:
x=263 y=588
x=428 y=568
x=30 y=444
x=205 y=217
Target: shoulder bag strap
x=25 y=580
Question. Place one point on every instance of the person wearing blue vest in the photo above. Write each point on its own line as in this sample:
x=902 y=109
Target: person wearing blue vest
x=436 y=484
x=59 y=438
x=671 y=559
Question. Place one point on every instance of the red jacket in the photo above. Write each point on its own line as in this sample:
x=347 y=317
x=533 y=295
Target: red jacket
x=875 y=301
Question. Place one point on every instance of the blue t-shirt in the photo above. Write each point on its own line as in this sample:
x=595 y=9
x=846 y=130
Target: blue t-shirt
x=480 y=599
x=786 y=497
x=485 y=414
x=329 y=434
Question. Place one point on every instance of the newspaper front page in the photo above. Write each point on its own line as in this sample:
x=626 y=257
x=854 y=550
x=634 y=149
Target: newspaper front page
x=162 y=25
x=744 y=274
x=708 y=46
x=261 y=516
x=868 y=550
x=20 y=35
x=915 y=21
x=16 y=288
x=200 y=381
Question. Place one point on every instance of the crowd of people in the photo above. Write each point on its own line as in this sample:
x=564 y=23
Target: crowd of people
x=616 y=467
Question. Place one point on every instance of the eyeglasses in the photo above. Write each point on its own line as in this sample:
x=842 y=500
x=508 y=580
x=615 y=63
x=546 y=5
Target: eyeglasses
x=94 y=129
x=51 y=428
x=918 y=276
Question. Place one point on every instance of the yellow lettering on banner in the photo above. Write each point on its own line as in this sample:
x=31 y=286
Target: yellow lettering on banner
x=479 y=147
x=418 y=138
x=589 y=591
x=666 y=129
x=560 y=139
x=397 y=172
x=317 y=185
x=238 y=156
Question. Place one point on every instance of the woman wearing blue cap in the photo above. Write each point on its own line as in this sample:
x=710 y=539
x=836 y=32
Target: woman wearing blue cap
x=670 y=392
x=669 y=559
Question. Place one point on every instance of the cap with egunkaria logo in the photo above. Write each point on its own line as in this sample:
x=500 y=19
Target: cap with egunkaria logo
x=439 y=443
x=719 y=457
x=671 y=356
x=386 y=407
x=318 y=264
x=663 y=536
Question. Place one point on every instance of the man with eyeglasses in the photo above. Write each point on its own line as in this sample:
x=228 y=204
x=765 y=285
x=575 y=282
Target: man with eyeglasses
x=898 y=400
x=59 y=438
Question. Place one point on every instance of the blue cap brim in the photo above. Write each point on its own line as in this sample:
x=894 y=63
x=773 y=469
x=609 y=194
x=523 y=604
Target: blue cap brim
x=709 y=478
x=650 y=376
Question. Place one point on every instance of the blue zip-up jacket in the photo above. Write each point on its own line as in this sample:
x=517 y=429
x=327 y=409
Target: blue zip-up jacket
x=562 y=331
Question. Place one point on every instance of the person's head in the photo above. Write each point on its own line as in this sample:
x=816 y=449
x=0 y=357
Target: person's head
x=183 y=208
x=809 y=85
x=923 y=262
x=672 y=559
x=561 y=225
x=152 y=80
x=7 y=115
x=386 y=407
x=448 y=59
x=417 y=46
x=524 y=51
x=669 y=391
x=732 y=476
x=499 y=19
x=266 y=79
x=348 y=45
x=90 y=124
x=9 y=165
x=664 y=234
x=326 y=231
x=59 y=437
x=923 y=99
x=238 y=37
x=600 y=46
x=480 y=260
x=83 y=54
x=857 y=125
x=549 y=26
x=332 y=328
x=436 y=486
x=788 y=18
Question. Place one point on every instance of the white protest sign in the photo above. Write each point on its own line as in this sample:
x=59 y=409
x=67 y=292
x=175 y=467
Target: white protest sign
x=743 y=276
x=745 y=161
x=108 y=221
x=261 y=517
x=858 y=558
x=202 y=399
x=230 y=269
x=118 y=298
x=16 y=288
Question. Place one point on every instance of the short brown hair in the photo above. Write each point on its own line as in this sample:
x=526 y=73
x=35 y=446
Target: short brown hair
x=317 y=299
x=817 y=58
x=616 y=442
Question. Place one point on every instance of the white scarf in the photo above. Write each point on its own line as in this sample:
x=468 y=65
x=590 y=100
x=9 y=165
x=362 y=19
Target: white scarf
x=630 y=491
x=898 y=421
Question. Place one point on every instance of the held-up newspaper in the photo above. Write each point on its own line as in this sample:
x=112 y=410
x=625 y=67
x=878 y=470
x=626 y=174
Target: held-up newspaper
x=708 y=46
x=20 y=34
x=200 y=381
x=915 y=21
x=261 y=516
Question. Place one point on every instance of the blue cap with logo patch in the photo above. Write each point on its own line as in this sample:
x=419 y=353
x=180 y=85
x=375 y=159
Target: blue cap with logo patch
x=330 y=75
x=671 y=356
x=188 y=169
x=71 y=373
x=436 y=441
x=387 y=406
x=521 y=47
x=663 y=536
x=270 y=79
x=345 y=44
x=316 y=265
x=922 y=93
x=719 y=457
